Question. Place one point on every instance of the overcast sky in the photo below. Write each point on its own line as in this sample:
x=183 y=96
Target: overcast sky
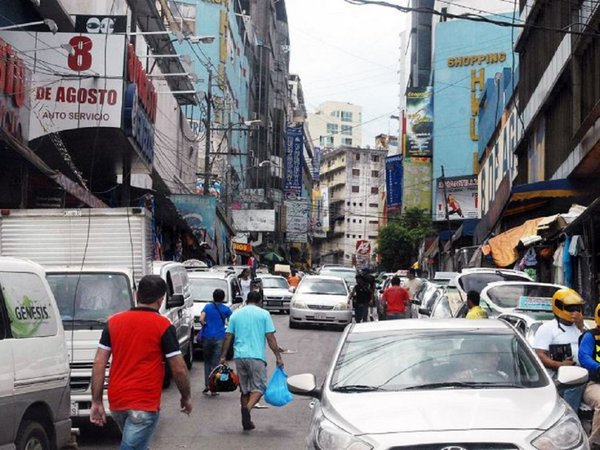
x=348 y=53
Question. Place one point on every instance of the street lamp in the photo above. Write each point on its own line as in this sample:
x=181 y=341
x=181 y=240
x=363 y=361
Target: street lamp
x=51 y=24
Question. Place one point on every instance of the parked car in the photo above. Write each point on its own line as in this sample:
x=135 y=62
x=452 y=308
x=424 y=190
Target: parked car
x=237 y=270
x=443 y=278
x=425 y=298
x=321 y=300
x=475 y=279
x=34 y=369
x=505 y=296
x=203 y=284
x=276 y=293
x=434 y=384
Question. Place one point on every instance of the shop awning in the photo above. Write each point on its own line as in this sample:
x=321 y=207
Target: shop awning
x=467 y=229
x=503 y=246
x=433 y=249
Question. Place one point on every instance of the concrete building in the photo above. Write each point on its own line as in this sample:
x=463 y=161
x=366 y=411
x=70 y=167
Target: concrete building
x=336 y=124
x=353 y=178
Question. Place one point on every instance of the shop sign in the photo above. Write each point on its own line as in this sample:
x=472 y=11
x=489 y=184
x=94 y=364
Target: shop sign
x=293 y=162
x=137 y=124
x=460 y=195
x=419 y=131
x=242 y=248
x=14 y=82
x=146 y=92
x=393 y=181
x=100 y=24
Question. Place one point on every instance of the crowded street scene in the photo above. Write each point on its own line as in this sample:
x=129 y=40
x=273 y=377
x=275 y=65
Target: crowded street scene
x=300 y=224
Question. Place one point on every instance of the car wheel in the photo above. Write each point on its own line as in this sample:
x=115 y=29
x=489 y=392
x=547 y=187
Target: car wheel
x=32 y=436
x=294 y=324
x=189 y=357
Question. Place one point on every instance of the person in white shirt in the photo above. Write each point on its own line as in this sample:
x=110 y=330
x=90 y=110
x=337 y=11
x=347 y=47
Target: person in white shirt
x=413 y=284
x=245 y=283
x=557 y=341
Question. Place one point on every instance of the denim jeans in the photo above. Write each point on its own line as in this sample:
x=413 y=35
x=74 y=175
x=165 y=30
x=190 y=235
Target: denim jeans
x=395 y=316
x=573 y=396
x=361 y=312
x=137 y=428
x=211 y=352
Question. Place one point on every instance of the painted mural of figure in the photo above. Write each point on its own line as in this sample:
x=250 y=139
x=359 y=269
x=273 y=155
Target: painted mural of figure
x=454 y=206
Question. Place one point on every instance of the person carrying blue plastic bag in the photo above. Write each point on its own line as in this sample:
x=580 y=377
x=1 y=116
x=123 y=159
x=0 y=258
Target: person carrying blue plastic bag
x=277 y=392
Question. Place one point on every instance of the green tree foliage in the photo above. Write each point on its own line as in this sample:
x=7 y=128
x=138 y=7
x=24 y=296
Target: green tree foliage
x=398 y=242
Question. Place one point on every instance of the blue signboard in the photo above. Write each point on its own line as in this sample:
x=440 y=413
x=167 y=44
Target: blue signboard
x=393 y=181
x=293 y=162
x=316 y=164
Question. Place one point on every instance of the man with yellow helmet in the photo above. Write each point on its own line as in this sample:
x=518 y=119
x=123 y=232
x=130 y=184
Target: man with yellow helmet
x=557 y=341
x=589 y=357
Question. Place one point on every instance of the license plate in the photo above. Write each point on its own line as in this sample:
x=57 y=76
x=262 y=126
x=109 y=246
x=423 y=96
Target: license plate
x=275 y=303
x=320 y=316
x=74 y=409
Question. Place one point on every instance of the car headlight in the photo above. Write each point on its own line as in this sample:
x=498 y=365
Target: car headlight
x=332 y=437
x=341 y=306
x=564 y=434
x=299 y=305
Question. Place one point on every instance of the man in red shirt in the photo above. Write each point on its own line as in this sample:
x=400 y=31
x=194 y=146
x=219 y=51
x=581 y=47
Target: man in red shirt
x=395 y=299
x=139 y=340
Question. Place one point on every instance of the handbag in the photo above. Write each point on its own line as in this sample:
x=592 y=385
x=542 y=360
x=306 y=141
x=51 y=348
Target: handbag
x=223 y=379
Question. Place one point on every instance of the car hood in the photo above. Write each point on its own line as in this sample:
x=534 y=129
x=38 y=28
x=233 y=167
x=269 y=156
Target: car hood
x=422 y=411
x=330 y=300
x=198 y=307
x=276 y=292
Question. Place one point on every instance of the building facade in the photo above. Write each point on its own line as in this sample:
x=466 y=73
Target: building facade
x=336 y=124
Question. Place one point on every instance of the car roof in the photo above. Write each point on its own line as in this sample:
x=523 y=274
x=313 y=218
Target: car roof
x=321 y=277
x=521 y=283
x=431 y=324
x=268 y=275
x=214 y=275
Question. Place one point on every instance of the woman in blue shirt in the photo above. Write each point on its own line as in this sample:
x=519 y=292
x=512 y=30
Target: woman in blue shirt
x=213 y=320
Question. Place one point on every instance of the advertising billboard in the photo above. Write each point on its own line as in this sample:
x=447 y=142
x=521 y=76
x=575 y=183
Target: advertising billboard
x=416 y=186
x=460 y=197
x=316 y=164
x=77 y=80
x=317 y=214
x=297 y=213
x=393 y=181
x=325 y=208
x=293 y=162
x=254 y=219
x=419 y=125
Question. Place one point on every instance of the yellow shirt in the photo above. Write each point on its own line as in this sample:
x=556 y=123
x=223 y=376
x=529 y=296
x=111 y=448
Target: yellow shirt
x=476 y=312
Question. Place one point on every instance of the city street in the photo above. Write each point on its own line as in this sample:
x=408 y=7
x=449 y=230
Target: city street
x=215 y=421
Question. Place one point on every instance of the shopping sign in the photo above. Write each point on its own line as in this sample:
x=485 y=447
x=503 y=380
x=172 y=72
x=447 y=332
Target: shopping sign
x=293 y=162
x=14 y=83
x=363 y=248
x=393 y=181
x=81 y=88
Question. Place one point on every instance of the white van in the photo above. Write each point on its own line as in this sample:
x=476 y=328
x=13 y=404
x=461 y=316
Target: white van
x=34 y=368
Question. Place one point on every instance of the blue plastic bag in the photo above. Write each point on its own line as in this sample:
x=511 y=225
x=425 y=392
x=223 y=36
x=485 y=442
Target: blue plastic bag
x=277 y=392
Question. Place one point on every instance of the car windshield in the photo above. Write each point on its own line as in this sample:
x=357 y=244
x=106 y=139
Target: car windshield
x=203 y=288
x=348 y=275
x=508 y=296
x=428 y=359
x=274 y=283
x=477 y=281
x=90 y=297
x=322 y=286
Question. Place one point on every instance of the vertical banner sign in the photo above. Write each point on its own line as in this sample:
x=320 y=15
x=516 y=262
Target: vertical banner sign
x=325 y=209
x=317 y=214
x=316 y=164
x=393 y=181
x=293 y=162
x=363 y=253
x=419 y=126
x=297 y=220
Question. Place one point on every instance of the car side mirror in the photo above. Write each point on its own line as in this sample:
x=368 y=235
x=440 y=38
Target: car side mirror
x=571 y=376
x=237 y=300
x=304 y=384
x=175 y=301
x=424 y=312
x=415 y=302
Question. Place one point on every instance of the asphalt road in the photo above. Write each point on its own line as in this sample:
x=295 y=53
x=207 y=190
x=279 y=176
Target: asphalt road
x=215 y=421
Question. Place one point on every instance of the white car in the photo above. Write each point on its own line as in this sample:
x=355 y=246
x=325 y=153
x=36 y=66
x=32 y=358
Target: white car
x=321 y=300
x=439 y=384
x=475 y=279
x=503 y=297
x=346 y=273
x=276 y=293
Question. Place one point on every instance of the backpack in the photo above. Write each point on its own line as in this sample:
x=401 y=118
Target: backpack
x=362 y=295
x=223 y=379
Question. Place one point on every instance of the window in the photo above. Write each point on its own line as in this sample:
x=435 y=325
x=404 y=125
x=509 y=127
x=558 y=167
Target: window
x=360 y=204
x=359 y=220
x=375 y=173
x=372 y=237
x=348 y=220
x=353 y=236
x=374 y=190
x=347 y=256
x=355 y=189
x=360 y=236
x=373 y=221
x=373 y=205
x=346 y=116
x=375 y=158
x=357 y=157
x=326 y=140
x=356 y=172
x=354 y=204
x=347 y=130
x=184 y=17
x=332 y=128
x=353 y=220
x=347 y=203
x=347 y=141
x=347 y=235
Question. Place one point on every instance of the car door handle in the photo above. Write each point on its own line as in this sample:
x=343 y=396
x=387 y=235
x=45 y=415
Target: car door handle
x=179 y=313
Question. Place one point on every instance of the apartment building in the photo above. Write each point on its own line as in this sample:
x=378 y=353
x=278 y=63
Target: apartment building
x=336 y=124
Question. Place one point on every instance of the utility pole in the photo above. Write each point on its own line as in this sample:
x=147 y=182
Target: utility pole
x=208 y=140
x=447 y=215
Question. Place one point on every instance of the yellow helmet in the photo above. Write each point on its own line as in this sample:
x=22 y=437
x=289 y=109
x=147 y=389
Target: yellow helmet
x=562 y=299
x=597 y=315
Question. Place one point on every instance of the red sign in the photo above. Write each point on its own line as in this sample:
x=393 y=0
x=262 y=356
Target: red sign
x=363 y=248
x=12 y=90
x=146 y=91
x=242 y=248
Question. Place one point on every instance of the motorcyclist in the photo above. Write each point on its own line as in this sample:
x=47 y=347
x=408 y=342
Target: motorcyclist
x=557 y=341
x=589 y=357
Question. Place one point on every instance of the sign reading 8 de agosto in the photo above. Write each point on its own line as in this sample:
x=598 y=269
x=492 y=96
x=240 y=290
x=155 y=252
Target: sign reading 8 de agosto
x=29 y=306
x=77 y=80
